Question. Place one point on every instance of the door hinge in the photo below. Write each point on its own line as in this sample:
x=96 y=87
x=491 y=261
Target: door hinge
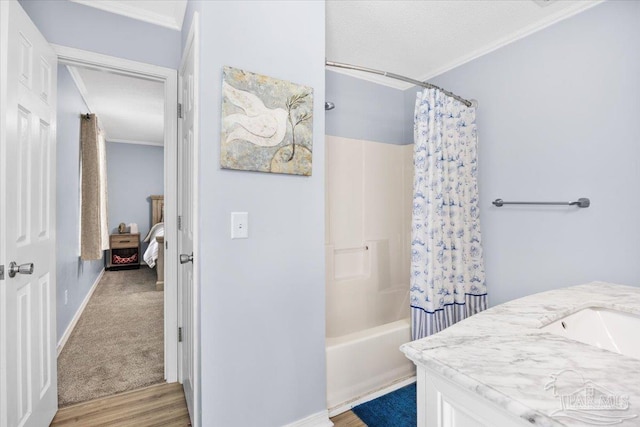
x=1 y=272
x=179 y=110
x=179 y=334
x=179 y=222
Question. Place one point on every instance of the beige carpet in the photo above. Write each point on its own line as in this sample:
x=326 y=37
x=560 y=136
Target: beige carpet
x=118 y=343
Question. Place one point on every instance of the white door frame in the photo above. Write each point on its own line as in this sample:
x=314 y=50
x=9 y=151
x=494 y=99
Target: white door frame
x=167 y=76
x=193 y=43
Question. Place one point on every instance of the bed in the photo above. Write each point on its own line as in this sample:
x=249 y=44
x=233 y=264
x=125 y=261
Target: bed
x=154 y=255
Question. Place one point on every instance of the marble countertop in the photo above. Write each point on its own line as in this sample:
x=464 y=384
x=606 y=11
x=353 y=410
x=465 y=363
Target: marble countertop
x=502 y=355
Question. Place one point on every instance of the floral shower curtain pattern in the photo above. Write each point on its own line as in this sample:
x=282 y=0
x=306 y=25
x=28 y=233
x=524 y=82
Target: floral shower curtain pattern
x=447 y=268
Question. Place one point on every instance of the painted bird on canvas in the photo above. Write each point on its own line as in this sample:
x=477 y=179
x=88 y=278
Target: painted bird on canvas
x=258 y=125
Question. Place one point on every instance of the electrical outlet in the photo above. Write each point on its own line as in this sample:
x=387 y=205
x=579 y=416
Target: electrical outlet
x=66 y=296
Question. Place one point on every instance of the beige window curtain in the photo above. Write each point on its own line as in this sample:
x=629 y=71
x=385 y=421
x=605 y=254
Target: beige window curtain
x=94 y=228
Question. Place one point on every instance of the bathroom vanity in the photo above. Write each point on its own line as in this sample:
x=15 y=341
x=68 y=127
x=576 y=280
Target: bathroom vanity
x=567 y=357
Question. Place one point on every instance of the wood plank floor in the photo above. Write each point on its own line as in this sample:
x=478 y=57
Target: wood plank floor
x=158 y=405
x=347 y=419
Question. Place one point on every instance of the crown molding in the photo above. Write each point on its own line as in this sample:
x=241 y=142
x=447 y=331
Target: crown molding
x=561 y=15
x=129 y=141
x=125 y=9
x=82 y=89
x=77 y=80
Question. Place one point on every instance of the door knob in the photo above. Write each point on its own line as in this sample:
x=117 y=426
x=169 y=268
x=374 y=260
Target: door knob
x=20 y=269
x=184 y=258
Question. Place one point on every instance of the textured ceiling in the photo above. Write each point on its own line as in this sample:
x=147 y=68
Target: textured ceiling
x=423 y=38
x=130 y=109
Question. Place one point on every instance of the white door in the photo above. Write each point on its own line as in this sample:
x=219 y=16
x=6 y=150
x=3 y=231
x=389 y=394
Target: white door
x=187 y=158
x=28 y=385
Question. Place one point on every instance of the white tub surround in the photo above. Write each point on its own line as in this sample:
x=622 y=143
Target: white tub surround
x=368 y=237
x=368 y=234
x=497 y=368
x=364 y=362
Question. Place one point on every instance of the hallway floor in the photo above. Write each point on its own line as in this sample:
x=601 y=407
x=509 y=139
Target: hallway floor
x=158 y=405
x=347 y=419
x=118 y=342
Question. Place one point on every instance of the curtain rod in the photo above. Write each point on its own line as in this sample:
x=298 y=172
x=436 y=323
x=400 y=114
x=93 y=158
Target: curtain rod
x=397 y=77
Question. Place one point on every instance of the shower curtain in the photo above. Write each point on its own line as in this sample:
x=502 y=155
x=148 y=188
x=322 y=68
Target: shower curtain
x=447 y=269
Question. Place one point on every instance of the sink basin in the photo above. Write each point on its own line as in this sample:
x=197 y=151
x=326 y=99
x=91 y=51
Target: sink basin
x=602 y=328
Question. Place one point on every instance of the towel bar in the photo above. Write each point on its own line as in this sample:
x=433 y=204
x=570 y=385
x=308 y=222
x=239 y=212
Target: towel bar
x=582 y=202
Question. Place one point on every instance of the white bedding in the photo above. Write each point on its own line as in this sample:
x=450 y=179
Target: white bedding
x=151 y=254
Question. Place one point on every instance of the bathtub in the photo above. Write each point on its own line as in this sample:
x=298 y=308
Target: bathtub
x=364 y=364
x=600 y=327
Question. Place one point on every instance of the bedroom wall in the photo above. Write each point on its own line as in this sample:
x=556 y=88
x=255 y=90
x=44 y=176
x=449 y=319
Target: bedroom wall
x=134 y=172
x=557 y=120
x=268 y=369
x=73 y=275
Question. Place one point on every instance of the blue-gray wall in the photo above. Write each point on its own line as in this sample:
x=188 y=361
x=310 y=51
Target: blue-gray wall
x=365 y=110
x=75 y=25
x=262 y=298
x=73 y=275
x=134 y=173
x=557 y=120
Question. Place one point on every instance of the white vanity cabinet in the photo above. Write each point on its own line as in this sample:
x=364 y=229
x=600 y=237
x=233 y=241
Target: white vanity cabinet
x=520 y=363
x=443 y=403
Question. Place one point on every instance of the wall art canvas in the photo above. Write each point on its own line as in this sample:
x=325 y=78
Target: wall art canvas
x=267 y=124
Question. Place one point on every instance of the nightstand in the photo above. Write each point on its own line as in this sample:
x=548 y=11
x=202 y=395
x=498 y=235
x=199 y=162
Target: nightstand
x=124 y=251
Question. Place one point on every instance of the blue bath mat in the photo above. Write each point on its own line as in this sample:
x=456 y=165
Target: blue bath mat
x=396 y=409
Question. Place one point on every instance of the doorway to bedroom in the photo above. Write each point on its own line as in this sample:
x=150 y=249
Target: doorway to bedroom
x=112 y=311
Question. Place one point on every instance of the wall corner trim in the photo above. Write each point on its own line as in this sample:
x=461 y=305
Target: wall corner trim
x=319 y=419
x=74 y=321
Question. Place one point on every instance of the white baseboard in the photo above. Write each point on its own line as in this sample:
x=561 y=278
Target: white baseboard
x=337 y=410
x=67 y=333
x=319 y=419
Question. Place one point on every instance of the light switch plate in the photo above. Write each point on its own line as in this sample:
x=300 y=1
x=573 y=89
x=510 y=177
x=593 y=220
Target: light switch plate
x=239 y=225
